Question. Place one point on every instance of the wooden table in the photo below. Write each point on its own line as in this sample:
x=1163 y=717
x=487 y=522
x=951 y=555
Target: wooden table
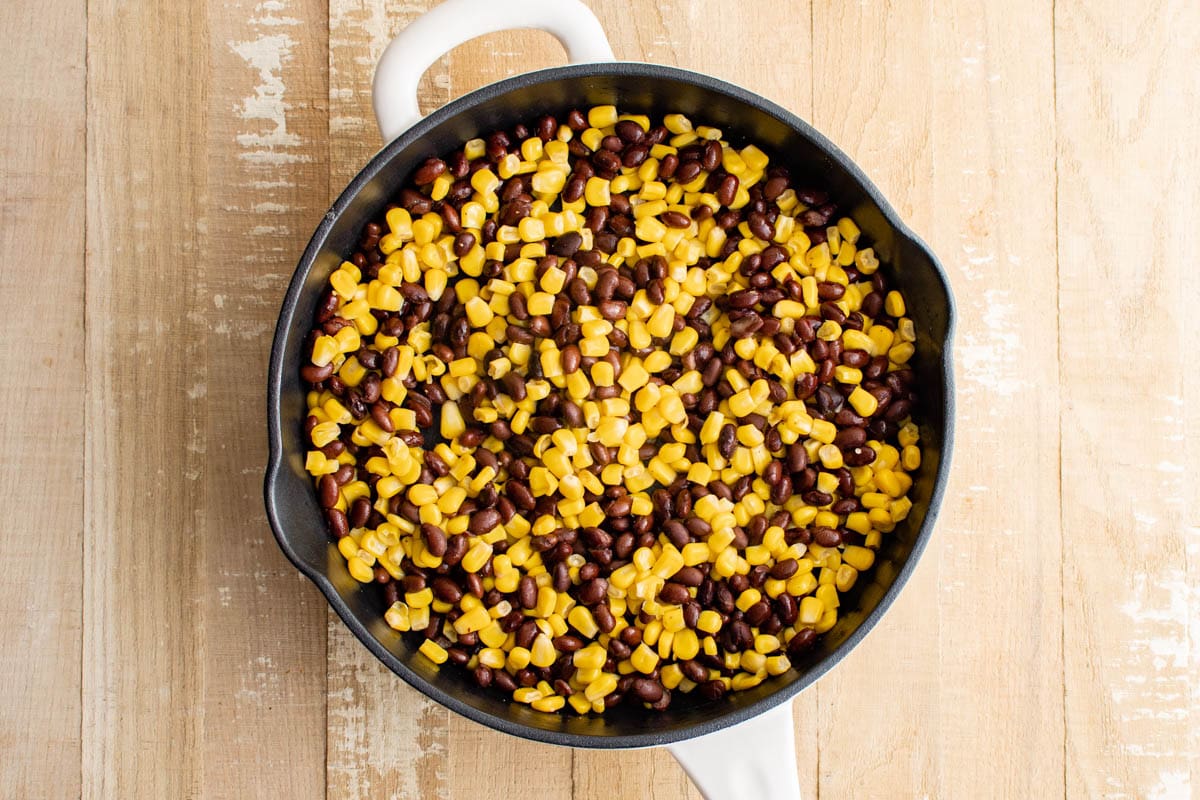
x=163 y=164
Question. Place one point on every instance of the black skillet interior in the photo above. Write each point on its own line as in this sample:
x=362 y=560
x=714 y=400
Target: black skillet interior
x=641 y=88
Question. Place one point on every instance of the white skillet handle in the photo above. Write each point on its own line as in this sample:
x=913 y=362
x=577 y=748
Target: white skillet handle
x=752 y=761
x=453 y=22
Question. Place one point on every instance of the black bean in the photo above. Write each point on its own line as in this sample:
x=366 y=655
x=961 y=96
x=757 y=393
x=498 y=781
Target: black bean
x=527 y=592
x=593 y=591
x=647 y=690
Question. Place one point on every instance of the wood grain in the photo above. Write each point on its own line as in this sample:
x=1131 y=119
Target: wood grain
x=883 y=119
x=42 y=360
x=992 y=226
x=384 y=738
x=165 y=163
x=144 y=647
x=198 y=635
x=264 y=675
x=1127 y=194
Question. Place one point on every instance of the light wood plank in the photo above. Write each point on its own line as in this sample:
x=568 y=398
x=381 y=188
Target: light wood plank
x=872 y=92
x=999 y=730
x=773 y=60
x=1128 y=157
x=143 y=629
x=42 y=137
x=264 y=666
x=198 y=636
x=384 y=738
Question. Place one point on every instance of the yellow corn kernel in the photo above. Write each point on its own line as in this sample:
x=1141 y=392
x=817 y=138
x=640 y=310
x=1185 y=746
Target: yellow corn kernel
x=419 y=618
x=827 y=592
x=709 y=621
x=324 y=350
x=752 y=661
x=518 y=658
x=549 y=704
x=581 y=619
x=649 y=229
x=677 y=123
x=847 y=375
x=591 y=657
x=845 y=578
x=860 y=558
x=600 y=688
x=657 y=361
x=596 y=192
x=485 y=182
x=725 y=564
x=542 y=652
x=398 y=617
x=547 y=601
x=694 y=553
x=602 y=374
x=777 y=665
x=316 y=463
x=644 y=659
x=748 y=598
x=360 y=570
x=864 y=402
x=473 y=621
x=324 y=432
x=901 y=353
x=829 y=331
x=811 y=610
x=422 y=494
x=492 y=657
x=886 y=482
x=602 y=116
x=823 y=431
x=580 y=703
x=433 y=651
x=661 y=321
x=685 y=645
x=910 y=457
x=766 y=643
x=893 y=304
x=421 y=599
x=830 y=455
x=479 y=313
x=742 y=404
x=476 y=556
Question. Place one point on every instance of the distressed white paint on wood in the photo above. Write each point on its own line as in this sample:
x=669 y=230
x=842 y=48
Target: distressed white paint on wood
x=1128 y=157
x=264 y=673
x=987 y=187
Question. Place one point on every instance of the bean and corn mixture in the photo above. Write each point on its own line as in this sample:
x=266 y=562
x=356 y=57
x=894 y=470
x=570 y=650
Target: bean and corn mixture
x=668 y=402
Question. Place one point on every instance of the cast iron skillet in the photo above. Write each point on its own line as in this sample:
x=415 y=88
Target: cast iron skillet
x=642 y=88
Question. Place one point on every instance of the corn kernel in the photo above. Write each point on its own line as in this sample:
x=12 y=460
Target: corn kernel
x=549 y=704
x=644 y=659
x=596 y=192
x=602 y=116
x=600 y=688
x=433 y=651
